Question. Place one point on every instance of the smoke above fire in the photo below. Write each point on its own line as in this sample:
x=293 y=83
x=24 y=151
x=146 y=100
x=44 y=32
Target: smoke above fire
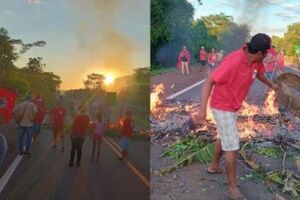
x=104 y=47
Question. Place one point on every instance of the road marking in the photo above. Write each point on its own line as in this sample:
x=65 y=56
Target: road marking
x=293 y=69
x=117 y=150
x=9 y=172
x=186 y=89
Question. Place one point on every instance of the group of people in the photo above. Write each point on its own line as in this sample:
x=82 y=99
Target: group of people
x=213 y=59
x=31 y=113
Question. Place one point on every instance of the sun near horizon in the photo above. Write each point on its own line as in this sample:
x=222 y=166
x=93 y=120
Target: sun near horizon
x=109 y=79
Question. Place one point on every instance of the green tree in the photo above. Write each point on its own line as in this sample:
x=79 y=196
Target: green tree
x=35 y=65
x=292 y=38
x=94 y=81
x=218 y=23
x=171 y=28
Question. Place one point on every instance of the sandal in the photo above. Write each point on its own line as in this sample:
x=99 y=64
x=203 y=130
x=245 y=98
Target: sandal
x=216 y=171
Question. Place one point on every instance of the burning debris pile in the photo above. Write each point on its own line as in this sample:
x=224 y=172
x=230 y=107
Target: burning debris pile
x=171 y=119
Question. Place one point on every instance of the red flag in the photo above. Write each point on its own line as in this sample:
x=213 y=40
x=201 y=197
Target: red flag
x=7 y=103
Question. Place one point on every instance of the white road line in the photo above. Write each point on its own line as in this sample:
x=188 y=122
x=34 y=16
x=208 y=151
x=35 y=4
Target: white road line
x=186 y=89
x=9 y=172
x=293 y=69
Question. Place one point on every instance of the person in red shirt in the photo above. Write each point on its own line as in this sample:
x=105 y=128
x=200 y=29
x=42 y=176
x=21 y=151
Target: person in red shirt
x=80 y=124
x=212 y=59
x=127 y=124
x=202 y=56
x=280 y=58
x=58 y=115
x=39 y=117
x=270 y=63
x=227 y=88
x=184 y=58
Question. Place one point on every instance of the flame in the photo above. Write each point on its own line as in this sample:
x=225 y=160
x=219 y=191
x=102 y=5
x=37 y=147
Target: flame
x=155 y=96
x=270 y=107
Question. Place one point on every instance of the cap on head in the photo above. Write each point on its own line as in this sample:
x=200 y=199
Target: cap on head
x=259 y=42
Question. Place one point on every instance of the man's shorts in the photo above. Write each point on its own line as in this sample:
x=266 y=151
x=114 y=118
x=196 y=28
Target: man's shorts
x=227 y=129
x=125 y=143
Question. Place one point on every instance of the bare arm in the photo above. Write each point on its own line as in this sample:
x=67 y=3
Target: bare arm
x=204 y=98
x=266 y=81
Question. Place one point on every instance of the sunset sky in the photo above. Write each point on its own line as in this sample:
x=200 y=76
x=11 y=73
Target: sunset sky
x=95 y=36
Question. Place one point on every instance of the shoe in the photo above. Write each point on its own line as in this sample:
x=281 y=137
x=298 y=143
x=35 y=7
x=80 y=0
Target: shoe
x=62 y=149
x=124 y=161
x=54 y=146
x=97 y=161
x=120 y=158
x=27 y=153
x=21 y=152
x=78 y=164
x=71 y=164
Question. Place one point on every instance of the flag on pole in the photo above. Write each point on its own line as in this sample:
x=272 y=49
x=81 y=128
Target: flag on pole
x=7 y=103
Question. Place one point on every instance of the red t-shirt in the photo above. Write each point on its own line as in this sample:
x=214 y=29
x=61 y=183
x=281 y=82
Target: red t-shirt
x=233 y=79
x=127 y=127
x=38 y=119
x=80 y=124
x=58 y=115
x=202 y=54
x=272 y=55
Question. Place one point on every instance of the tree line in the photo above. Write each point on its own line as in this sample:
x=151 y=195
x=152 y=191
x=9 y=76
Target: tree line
x=30 y=79
x=173 y=26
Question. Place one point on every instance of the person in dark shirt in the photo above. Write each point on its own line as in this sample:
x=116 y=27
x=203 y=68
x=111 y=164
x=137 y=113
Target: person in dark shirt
x=79 y=128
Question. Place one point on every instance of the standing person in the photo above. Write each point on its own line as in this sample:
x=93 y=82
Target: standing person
x=270 y=63
x=280 y=59
x=220 y=57
x=24 y=114
x=202 y=56
x=58 y=115
x=183 y=61
x=231 y=82
x=39 y=117
x=127 y=124
x=79 y=128
x=212 y=59
x=99 y=128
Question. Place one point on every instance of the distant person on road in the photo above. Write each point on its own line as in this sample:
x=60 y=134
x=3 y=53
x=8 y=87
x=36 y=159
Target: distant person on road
x=24 y=114
x=183 y=61
x=220 y=57
x=270 y=63
x=99 y=128
x=202 y=56
x=227 y=88
x=79 y=129
x=58 y=115
x=39 y=117
x=127 y=124
x=212 y=59
x=280 y=59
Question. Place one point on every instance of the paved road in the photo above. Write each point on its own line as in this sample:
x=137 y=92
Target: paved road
x=46 y=175
x=255 y=95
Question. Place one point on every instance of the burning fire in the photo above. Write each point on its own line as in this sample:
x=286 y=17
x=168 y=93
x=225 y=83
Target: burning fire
x=252 y=119
x=156 y=95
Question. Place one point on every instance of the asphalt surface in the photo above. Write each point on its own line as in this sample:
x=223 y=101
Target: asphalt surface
x=46 y=174
x=256 y=93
